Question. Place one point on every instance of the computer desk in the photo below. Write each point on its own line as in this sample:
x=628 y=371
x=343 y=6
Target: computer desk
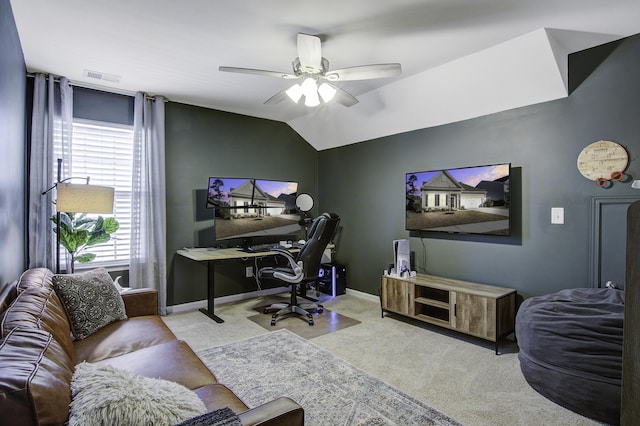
x=211 y=256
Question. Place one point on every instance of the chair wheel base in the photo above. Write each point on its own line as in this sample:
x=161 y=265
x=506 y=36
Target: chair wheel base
x=292 y=309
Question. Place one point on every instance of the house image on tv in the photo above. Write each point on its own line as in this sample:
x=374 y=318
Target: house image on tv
x=264 y=204
x=497 y=190
x=444 y=192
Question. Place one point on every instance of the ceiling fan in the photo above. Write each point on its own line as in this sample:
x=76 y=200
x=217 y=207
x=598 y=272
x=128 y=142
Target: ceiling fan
x=317 y=79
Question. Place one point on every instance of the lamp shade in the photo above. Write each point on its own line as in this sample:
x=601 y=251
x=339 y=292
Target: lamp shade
x=327 y=92
x=294 y=92
x=80 y=198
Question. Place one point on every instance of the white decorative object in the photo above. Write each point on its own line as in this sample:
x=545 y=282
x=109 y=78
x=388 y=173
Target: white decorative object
x=116 y=283
x=402 y=261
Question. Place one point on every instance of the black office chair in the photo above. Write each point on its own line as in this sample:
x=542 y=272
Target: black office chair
x=303 y=268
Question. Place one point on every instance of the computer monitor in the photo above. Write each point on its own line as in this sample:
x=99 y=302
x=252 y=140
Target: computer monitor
x=247 y=208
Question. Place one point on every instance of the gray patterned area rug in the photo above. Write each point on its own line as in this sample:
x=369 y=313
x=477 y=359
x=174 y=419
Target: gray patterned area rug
x=331 y=391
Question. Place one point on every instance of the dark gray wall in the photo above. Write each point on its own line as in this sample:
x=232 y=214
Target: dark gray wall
x=97 y=105
x=364 y=182
x=12 y=138
x=201 y=143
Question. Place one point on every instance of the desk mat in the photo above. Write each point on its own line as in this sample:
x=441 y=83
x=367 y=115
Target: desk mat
x=326 y=322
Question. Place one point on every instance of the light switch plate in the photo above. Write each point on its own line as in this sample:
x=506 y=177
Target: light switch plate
x=557 y=215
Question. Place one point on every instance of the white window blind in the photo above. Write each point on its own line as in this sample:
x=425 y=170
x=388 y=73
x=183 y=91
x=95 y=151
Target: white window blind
x=104 y=152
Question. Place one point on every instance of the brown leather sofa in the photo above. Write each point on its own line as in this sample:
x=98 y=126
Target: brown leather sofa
x=38 y=355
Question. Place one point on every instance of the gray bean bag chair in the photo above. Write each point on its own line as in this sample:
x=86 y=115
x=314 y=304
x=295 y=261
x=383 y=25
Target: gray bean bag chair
x=571 y=349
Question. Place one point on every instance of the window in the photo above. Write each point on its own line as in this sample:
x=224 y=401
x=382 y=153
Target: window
x=104 y=152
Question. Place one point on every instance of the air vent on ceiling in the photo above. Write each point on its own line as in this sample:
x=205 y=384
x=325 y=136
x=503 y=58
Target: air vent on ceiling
x=102 y=76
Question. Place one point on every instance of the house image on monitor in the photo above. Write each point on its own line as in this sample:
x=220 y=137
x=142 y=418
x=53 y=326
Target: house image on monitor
x=256 y=202
x=241 y=196
x=444 y=192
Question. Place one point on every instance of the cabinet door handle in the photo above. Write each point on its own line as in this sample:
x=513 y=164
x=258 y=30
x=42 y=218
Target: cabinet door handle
x=455 y=310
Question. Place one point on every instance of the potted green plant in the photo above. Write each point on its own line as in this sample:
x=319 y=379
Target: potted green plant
x=78 y=232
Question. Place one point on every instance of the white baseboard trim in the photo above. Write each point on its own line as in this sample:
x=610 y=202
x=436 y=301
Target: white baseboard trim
x=186 y=307
x=202 y=304
x=363 y=295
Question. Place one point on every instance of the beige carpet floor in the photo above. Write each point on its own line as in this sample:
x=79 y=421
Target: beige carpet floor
x=458 y=375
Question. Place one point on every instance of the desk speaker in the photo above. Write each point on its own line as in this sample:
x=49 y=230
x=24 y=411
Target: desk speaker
x=332 y=279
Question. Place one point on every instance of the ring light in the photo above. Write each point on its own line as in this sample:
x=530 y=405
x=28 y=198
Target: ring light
x=304 y=202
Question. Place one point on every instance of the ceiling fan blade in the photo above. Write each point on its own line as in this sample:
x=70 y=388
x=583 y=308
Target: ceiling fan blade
x=277 y=74
x=309 y=53
x=277 y=98
x=343 y=97
x=364 y=72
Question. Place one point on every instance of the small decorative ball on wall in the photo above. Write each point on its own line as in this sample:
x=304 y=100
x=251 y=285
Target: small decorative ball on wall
x=603 y=162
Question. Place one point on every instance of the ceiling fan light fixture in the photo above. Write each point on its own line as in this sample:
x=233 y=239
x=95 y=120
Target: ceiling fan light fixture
x=311 y=67
x=327 y=92
x=294 y=92
x=310 y=90
x=309 y=87
x=312 y=100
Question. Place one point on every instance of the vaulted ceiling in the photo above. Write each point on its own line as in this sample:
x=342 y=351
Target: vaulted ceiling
x=460 y=58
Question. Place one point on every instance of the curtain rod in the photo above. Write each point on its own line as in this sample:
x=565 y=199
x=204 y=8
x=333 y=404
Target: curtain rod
x=97 y=87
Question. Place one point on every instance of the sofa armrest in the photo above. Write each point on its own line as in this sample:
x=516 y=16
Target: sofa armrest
x=140 y=301
x=279 y=412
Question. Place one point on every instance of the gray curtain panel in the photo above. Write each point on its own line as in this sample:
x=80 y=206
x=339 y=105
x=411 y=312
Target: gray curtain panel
x=51 y=123
x=148 y=265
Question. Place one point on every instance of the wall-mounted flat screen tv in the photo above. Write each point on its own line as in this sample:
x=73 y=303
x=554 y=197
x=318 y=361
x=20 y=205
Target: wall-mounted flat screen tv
x=247 y=207
x=467 y=200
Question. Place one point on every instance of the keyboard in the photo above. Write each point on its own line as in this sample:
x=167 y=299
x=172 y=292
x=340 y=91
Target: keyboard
x=261 y=248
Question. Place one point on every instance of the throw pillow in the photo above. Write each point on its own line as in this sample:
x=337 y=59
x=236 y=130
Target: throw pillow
x=90 y=299
x=222 y=417
x=105 y=395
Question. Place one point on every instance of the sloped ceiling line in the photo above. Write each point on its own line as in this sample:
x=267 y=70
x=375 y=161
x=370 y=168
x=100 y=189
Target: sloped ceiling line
x=527 y=70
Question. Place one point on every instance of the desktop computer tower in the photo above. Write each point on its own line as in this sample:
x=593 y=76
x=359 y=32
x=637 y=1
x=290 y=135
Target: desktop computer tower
x=332 y=279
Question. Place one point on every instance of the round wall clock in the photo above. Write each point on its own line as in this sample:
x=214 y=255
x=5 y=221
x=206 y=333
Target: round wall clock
x=602 y=161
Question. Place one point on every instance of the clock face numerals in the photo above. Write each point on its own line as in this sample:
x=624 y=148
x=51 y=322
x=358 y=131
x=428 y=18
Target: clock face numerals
x=602 y=159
